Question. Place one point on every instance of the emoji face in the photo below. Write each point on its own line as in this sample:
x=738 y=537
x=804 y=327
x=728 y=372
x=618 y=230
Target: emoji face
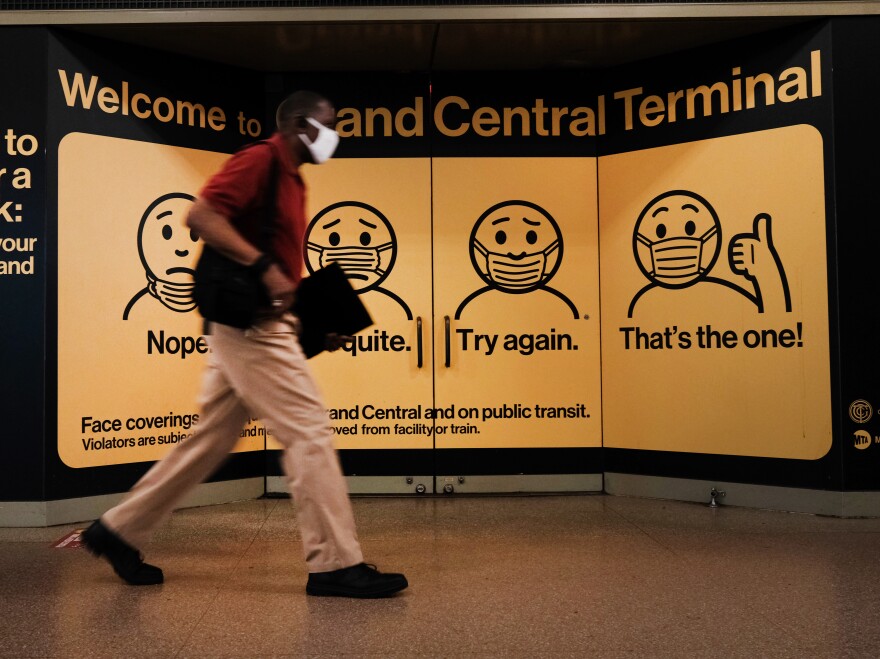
x=166 y=244
x=516 y=246
x=357 y=237
x=677 y=239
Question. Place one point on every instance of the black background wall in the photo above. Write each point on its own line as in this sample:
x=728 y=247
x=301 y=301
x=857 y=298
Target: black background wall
x=857 y=141
x=22 y=327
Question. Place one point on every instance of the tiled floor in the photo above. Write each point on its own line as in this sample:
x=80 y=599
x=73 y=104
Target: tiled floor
x=591 y=576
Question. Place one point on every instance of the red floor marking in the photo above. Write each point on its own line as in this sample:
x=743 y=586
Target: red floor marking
x=70 y=541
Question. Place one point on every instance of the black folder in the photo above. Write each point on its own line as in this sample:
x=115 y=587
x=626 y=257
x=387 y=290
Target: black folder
x=326 y=303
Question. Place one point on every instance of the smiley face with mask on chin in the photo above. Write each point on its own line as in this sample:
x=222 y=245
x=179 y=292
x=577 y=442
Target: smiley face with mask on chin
x=166 y=247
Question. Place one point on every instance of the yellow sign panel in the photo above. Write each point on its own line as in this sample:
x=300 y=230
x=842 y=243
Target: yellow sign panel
x=373 y=217
x=517 y=302
x=130 y=349
x=715 y=297
x=714 y=290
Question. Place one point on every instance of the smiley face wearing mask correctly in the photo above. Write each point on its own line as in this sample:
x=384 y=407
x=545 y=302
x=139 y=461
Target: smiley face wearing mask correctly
x=677 y=239
x=516 y=247
x=676 y=242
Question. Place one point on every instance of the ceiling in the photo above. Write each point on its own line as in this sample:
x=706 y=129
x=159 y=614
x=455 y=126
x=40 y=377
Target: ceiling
x=419 y=46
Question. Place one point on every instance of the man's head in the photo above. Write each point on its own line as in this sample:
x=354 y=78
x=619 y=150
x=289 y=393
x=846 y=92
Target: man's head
x=307 y=121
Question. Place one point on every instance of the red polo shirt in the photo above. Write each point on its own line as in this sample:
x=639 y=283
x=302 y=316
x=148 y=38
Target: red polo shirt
x=238 y=191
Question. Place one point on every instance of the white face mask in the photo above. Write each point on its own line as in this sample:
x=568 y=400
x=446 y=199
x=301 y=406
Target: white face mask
x=325 y=143
x=677 y=260
x=353 y=260
x=517 y=274
x=177 y=297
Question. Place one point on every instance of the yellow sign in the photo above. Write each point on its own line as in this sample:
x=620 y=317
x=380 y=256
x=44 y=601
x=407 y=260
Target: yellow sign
x=516 y=274
x=715 y=297
x=130 y=349
x=483 y=278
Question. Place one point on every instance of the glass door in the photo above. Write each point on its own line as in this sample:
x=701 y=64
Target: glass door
x=373 y=217
x=517 y=324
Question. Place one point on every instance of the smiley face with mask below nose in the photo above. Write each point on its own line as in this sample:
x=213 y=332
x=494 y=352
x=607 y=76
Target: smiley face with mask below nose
x=357 y=237
x=516 y=247
x=677 y=239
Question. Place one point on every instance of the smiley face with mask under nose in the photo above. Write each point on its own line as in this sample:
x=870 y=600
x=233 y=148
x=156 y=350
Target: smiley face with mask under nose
x=357 y=237
x=516 y=247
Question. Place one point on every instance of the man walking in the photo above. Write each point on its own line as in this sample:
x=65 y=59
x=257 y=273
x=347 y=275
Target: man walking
x=259 y=372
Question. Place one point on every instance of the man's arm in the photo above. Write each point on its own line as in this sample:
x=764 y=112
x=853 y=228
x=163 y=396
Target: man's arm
x=217 y=231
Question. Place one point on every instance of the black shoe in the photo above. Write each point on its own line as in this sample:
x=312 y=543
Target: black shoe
x=357 y=581
x=125 y=559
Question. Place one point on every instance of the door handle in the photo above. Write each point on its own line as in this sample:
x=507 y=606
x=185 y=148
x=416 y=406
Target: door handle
x=448 y=341
x=421 y=361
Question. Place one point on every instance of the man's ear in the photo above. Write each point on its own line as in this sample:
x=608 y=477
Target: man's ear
x=298 y=123
x=294 y=124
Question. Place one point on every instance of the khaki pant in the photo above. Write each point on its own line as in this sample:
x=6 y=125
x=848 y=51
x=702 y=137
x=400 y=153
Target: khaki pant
x=260 y=372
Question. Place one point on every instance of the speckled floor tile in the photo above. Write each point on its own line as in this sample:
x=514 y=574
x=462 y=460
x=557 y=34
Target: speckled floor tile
x=62 y=602
x=592 y=576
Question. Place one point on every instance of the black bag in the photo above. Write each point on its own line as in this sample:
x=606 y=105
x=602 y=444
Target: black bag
x=228 y=292
x=326 y=303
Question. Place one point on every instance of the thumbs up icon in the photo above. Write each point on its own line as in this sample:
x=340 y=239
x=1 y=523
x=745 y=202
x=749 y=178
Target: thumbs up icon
x=754 y=256
x=751 y=252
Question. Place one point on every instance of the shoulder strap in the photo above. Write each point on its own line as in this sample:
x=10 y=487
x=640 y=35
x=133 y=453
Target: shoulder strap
x=270 y=208
x=270 y=200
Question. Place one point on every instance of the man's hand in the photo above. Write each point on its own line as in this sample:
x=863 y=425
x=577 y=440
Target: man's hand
x=280 y=289
x=334 y=342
